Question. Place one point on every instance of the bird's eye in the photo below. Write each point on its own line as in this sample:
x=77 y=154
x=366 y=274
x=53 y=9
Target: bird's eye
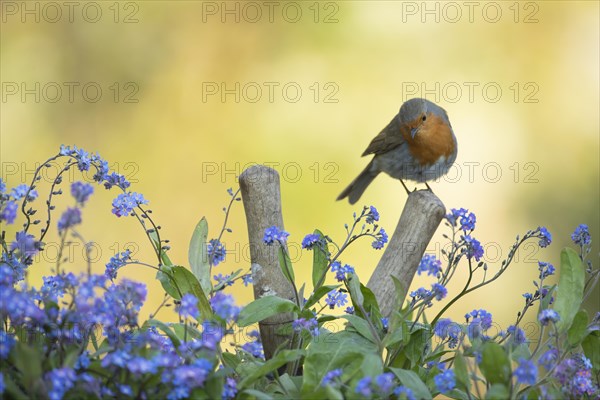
x=424 y=118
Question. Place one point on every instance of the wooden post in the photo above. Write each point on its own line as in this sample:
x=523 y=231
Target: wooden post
x=420 y=218
x=262 y=205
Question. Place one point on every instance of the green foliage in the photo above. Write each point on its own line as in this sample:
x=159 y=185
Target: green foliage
x=50 y=348
x=570 y=288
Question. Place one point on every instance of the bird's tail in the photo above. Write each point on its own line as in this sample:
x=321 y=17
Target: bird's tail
x=358 y=186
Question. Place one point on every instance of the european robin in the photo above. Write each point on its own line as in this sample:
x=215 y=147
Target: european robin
x=418 y=144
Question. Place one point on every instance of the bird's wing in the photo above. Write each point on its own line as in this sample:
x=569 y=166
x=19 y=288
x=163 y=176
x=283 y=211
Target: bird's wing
x=387 y=139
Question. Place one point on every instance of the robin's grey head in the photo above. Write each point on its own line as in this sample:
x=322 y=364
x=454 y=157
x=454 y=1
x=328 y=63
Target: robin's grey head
x=412 y=110
x=414 y=113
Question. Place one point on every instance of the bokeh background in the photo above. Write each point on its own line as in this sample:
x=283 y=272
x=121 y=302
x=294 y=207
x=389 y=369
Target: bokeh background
x=193 y=92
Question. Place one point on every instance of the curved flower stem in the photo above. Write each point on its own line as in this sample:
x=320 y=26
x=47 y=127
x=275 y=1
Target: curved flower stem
x=63 y=237
x=467 y=290
x=227 y=211
x=457 y=297
x=34 y=179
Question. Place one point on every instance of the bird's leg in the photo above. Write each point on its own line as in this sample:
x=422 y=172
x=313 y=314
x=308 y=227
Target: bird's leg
x=428 y=188
x=405 y=188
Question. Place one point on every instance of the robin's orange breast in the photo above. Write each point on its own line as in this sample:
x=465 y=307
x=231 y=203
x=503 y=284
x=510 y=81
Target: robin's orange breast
x=434 y=140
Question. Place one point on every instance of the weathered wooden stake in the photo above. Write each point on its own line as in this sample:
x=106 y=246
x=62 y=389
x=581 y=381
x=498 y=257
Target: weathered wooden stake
x=262 y=203
x=421 y=216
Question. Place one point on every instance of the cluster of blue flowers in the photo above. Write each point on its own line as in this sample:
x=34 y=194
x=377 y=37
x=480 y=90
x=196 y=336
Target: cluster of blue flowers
x=336 y=298
x=255 y=346
x=382 y=386
x=87 y=326
x=341 y=272
x=274 y=234
x=216 y=252
x=430 y=264
x=303 y=324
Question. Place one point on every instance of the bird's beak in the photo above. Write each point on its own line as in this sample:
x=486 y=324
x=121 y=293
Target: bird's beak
x=413 y=132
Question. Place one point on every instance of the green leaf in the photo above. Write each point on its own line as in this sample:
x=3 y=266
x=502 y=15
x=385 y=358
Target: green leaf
x=265 y=307
x=497 y=392
x=187 y=332
x=370 y=303
x=164 y=275
x=291 y=385
x=549 y=297
x=198 y=255
x=400 y=289
x=345 y=349
x=570 y=288
x=28 y=361
x=495 y=364
x=355 y=292
x=257 y=394
x=458 y=394
x=412 y=381
x=578 y=329
x=460 y=369
x=282 y=358
x=320 y=262
x=591 y=349
x=12 y=390
x=396 y=334
x=361 y=326
x=230 y=360
x=318 y=294
x=415 y=348
x=165 y=328
x=286 y=264
x=187 y=283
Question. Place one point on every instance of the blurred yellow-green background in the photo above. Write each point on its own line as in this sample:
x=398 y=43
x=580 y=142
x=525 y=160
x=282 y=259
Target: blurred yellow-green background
x=180 y=96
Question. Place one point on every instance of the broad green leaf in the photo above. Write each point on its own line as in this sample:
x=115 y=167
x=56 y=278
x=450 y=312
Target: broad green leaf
x=257 y=394
x=461 y=371
x=213 y=386
x=164 y=275
x=370 y=303
x=591 y=349
x=320 y=262
x=355 y=292
x=344 y=349
x=495 y=364
x=12 y=390
x=415 y=348
x=166 y=329
x=198 y=255
x=400 y=289
x=396 y=334
x=187 y=283
x=361 y=326
x=263 y=308
x=570 y=288
x=286 y=264
x=549 y=297
x=318 y=294
x=28 y=361
x=458 y=394
x=187 y=332
x=291 y=386
x=412 y=381
x=282 y=358
x=230 y=360
x=578 y=329
x=497 y=392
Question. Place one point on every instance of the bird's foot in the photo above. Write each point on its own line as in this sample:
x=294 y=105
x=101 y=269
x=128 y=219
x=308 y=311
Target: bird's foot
x=406 y=188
